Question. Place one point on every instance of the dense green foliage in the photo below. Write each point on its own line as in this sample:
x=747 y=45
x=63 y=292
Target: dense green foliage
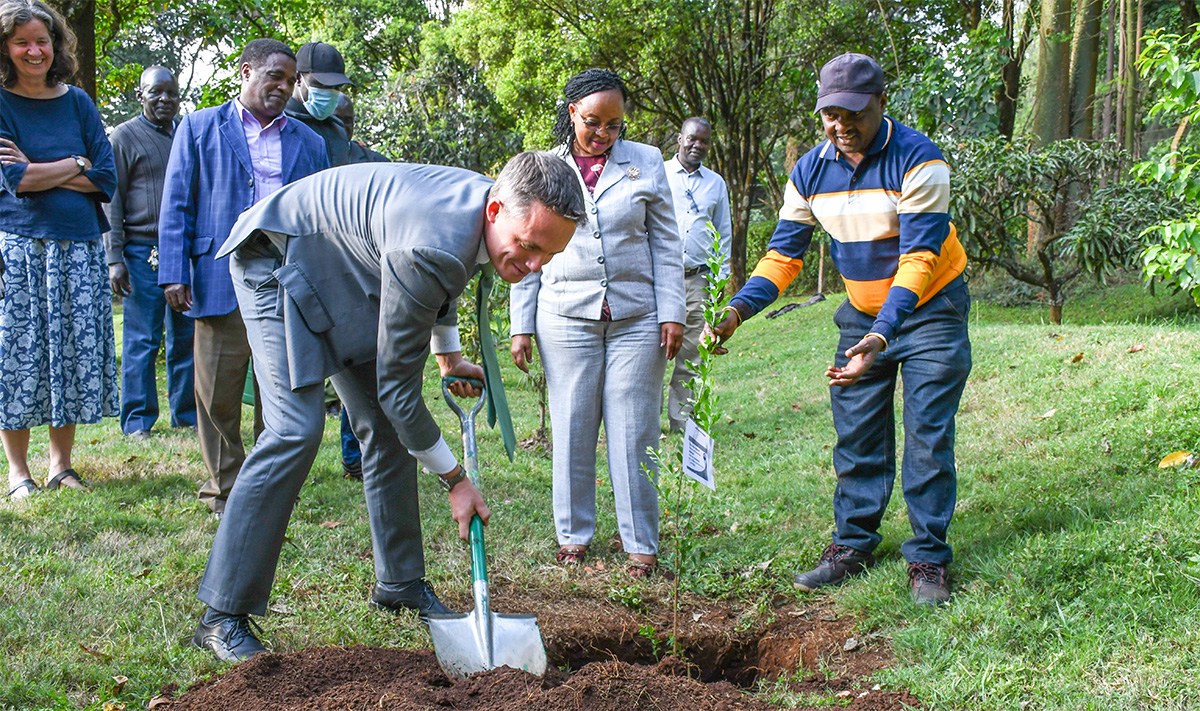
x=1173 y=63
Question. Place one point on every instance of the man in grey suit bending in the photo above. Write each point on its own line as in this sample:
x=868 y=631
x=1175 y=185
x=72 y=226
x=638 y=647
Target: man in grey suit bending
x=352 y=274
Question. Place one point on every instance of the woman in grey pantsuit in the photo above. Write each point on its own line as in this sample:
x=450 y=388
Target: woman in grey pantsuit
x=608 y=315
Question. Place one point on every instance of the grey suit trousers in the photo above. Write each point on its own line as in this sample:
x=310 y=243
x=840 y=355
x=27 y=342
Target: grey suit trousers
x=611 y=371
x=245 y=553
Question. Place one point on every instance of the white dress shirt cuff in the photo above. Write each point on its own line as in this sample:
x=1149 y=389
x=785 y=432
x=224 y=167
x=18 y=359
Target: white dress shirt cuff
x=438 y=458
x=444 y=339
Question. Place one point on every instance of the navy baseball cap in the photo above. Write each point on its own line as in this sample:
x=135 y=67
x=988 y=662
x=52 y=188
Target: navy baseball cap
x=848 y=81
x=324 y=62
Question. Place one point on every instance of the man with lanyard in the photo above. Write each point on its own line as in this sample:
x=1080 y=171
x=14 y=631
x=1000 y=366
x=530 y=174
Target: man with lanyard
x=141 y=147
x=700 y=197
x=881 y=190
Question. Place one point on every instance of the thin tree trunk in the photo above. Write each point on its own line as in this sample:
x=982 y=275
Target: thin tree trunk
x=821 y=269
x=1122 y=70
x=1110 y=57
x=1085 y=56
x=1130 y=129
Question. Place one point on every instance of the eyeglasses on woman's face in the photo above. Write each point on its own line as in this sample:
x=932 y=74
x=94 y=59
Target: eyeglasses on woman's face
x=595 y=126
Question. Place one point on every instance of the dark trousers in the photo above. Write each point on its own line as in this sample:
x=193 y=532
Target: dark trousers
x=932 y=355
x=146 y=320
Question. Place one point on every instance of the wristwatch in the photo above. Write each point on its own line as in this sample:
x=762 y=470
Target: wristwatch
x=79 y=161
x=449 y=484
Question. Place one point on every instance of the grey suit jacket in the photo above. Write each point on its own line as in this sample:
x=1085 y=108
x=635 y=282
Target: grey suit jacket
x=628 y=252
x=373 y=256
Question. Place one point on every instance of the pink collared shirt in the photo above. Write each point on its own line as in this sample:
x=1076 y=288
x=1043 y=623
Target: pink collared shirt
x=266 y=151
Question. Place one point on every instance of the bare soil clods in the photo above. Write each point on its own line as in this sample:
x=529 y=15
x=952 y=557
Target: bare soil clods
x=615 y=660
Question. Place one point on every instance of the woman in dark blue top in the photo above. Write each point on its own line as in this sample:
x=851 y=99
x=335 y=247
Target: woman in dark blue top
x=57 y=350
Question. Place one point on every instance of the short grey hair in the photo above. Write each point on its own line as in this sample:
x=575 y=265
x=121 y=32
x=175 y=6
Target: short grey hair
x=540 y=176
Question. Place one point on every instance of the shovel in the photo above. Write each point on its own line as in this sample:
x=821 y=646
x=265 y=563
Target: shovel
x=480 y=640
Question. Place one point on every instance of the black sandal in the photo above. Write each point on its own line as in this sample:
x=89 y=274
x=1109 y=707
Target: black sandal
x=57 y=481
x=23 y=490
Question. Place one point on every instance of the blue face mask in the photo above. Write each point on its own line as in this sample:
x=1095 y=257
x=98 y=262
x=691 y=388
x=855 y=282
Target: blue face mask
x=321 y=103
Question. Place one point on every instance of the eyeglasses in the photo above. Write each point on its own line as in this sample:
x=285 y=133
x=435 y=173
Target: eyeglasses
x=596 y=127
x=694 y=208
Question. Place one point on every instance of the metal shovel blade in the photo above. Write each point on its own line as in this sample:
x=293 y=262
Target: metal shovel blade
x=481 y=639
x=462 y=646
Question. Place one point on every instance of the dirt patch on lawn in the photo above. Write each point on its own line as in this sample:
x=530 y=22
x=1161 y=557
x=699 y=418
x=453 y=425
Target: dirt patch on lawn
x=604 y=656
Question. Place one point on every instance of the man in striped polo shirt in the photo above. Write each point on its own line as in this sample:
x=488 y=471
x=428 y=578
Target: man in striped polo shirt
x=881 y=190
x=141 y=147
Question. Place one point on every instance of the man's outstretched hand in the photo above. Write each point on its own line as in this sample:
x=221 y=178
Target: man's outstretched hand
x=862 y=356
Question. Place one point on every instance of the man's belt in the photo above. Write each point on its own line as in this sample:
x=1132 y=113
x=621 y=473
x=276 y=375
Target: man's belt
x=694 y=271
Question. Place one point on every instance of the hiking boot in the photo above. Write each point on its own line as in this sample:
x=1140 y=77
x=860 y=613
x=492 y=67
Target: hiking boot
x=229 y=637
x=930 y=583
x=837 y=563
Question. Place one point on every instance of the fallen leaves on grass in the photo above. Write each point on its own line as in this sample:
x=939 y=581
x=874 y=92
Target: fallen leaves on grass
x=1175 y=459
x=94 y=653
x=1136 y=349
x=158 y=702
x=1048 y=415
x=331 y=524
x=1077 y=357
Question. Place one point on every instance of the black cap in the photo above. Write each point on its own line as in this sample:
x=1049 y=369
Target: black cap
x=324 y=62
x=848 y=81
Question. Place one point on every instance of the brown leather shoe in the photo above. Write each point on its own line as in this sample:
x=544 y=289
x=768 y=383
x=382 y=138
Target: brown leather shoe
x=837 y=563
x=930 y=583
x=571 y=555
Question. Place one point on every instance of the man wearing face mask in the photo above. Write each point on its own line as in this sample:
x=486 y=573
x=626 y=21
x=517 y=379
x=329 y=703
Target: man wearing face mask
x=315 y=98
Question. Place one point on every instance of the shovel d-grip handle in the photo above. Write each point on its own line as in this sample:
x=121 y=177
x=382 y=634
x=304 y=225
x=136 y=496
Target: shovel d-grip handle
x=471 y=465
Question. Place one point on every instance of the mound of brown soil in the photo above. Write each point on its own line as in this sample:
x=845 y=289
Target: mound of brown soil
x=612 y=655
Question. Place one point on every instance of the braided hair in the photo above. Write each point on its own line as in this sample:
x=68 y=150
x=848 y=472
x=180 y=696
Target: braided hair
x=581 y=85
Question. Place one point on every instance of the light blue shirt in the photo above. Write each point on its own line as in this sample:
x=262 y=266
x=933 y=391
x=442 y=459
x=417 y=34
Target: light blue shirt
x=700 y=197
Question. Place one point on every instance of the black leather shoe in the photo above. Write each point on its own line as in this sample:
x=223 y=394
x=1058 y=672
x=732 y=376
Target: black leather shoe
x=416 y=595
x=837 y=563
x=228 y=636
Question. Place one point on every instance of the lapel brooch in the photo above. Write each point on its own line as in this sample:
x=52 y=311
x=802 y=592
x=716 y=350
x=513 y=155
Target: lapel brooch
x=633 y=172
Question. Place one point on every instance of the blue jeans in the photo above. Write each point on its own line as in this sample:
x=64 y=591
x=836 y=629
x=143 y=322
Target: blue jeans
x=146 y=317
x=932 y=353
x=351 y=452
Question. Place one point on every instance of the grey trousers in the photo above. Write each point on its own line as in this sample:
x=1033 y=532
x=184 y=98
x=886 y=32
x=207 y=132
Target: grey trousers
x=611 y=371
x=245 y=553
x=679 y=405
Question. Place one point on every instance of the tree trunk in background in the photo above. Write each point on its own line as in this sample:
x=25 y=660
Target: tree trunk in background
x=1110 y=62
x=81 y=16
x=1085 y=59
x=1188 y=13
x=1010 y=73
x=1122 y=72
x=821 y=270
x=1130 y=127
x=1051 y=112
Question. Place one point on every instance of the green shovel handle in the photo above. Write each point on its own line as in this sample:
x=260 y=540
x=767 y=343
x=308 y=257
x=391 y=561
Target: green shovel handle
x=478 y=557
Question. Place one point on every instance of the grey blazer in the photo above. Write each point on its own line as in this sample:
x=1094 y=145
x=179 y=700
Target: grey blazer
x=628 y=252
x=373 y=256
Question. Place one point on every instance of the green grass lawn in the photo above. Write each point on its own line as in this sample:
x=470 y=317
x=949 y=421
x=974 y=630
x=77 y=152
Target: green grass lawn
x=1077 y=573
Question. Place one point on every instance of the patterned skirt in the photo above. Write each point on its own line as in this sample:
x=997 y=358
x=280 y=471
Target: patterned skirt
x=58 y=355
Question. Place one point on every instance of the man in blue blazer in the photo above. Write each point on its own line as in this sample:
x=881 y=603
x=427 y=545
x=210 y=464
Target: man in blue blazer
x=225 y=159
